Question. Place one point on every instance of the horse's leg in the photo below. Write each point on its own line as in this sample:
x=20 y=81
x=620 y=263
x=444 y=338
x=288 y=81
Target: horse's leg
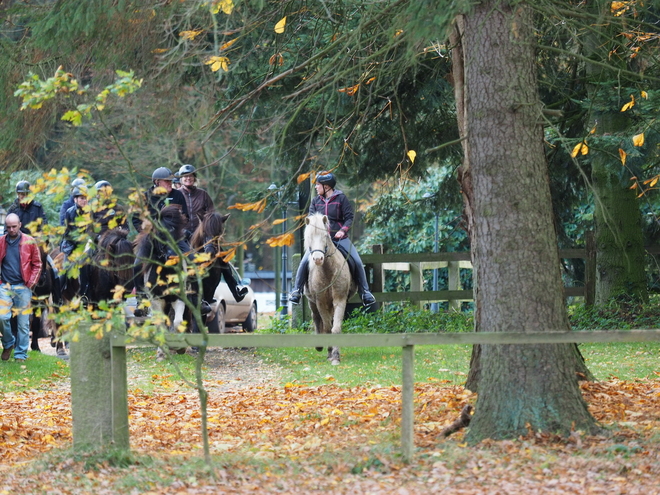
x=337 y=319
x=318 y=321
x=35 y=328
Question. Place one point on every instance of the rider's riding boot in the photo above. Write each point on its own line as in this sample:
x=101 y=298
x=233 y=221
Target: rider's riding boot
x=295 y=296
x=299 y=284
x=205 y=308
x=236 y=290
x=363 y=287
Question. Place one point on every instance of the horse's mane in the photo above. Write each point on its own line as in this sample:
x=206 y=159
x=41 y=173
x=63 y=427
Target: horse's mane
x=315 y=226
x=169 y=218
x=110 y=238
x=212 y=226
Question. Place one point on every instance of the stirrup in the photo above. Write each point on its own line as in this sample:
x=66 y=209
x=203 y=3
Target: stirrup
x=368 y=298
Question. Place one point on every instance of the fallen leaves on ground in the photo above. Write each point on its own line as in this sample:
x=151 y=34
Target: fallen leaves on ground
x=299 y=424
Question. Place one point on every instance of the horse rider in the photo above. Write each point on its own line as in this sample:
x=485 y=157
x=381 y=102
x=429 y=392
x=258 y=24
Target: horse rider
x=106 y=212
x=160 y=195
x=76 y=233
x=77 y=182
x=27 y=209
x=197 y=199
x=335 y=205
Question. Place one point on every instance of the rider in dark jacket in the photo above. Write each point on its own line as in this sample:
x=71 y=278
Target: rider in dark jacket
x=335 y=205
x=197 y=199
x=27 y=209
x=160 y=195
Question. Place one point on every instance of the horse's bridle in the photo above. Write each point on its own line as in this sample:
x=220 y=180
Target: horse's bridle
x=323 y=251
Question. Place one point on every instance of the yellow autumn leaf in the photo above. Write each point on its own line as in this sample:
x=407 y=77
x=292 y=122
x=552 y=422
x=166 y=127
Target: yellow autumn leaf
x=227 y=6
x=580 y=149
x=172 y=260
x=228 y=44
x=593 y=130
x=629 y=105
x=279 y=27
x=303 y=177
x=190 y=35
x=281 y=240
x=229 y=255
x=279 y=221
x=259 y=206
x=622 y=155
x=634 y=186
x=654 y=181
x=638 y=140
x=412 y=154
x=217 y=63
x=645 y=95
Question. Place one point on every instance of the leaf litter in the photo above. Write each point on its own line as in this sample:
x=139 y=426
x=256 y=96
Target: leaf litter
x=329 y=439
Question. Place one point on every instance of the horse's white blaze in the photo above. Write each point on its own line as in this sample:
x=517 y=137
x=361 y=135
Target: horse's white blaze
x=179 y=307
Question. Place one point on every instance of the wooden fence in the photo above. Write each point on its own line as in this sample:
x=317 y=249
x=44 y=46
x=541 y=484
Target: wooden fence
x=99 y=390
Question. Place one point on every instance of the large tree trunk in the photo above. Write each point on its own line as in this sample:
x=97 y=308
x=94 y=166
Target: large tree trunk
x=514 y=243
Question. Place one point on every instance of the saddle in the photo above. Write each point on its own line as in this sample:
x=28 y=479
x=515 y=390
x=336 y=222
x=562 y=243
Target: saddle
x=352 y=266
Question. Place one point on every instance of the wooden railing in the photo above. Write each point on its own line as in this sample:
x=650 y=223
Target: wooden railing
x=99 y=389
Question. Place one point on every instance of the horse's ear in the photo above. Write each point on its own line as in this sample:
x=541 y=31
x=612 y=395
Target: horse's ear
x=225 y=217
x=325 y=219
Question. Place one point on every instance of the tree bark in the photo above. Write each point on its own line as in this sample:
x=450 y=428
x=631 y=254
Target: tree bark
x=514 y=243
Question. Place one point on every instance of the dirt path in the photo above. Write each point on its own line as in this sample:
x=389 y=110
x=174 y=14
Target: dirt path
x=226 y=368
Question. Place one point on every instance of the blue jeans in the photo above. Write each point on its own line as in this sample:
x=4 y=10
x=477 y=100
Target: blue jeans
x=15 y=299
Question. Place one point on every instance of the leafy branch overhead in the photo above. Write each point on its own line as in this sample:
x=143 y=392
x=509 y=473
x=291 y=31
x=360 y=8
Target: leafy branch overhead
x=34 y=92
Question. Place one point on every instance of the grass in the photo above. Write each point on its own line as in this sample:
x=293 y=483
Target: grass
x=39 y=372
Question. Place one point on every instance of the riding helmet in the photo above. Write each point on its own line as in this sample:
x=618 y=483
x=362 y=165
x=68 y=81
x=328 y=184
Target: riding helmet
x=79 y=191
x=186 y=170
x=327 y=179
x=23 y=186
x=102 y=183
x=77 y=182
x=162 y=173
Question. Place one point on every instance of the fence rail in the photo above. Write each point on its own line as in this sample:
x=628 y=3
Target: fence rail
x=105 y=420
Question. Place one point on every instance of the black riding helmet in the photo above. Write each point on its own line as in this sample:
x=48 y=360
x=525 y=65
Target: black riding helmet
x=77 y=182
x=161 y=173
x=79 y=191
x=186 y=170
x=23 y=186
x=327 y=179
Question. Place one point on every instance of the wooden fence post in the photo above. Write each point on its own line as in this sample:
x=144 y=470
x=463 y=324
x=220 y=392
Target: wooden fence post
x=416 y=281
x=454 y=283
x=407 y=402
x=590 y=270
x=99 y=404
x=378 y=276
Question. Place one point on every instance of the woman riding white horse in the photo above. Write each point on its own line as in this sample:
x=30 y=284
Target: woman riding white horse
x=334 y=204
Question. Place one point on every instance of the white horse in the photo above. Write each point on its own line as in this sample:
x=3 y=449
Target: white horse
x=329 y=283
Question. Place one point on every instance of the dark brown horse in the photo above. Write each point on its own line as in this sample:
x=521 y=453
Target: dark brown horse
x=208 y=238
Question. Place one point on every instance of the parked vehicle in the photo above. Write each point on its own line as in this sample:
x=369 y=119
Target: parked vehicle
x=229 y=312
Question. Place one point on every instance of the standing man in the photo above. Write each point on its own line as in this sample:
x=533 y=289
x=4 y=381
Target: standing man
x=198 y=201
x=20 y=266
x=27 y=209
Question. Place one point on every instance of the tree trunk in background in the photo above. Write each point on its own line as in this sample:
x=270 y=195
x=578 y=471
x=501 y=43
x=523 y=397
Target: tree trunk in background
x=514 y=242
x=620 y=253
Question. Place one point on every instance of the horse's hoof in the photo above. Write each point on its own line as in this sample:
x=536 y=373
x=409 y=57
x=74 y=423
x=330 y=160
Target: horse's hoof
x=319 y=349
x=335 y=362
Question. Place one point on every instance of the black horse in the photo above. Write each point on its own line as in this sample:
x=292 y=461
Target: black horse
x=112 y=265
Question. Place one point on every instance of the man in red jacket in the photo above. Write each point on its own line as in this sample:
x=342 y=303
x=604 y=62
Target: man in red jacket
x=20 y=267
